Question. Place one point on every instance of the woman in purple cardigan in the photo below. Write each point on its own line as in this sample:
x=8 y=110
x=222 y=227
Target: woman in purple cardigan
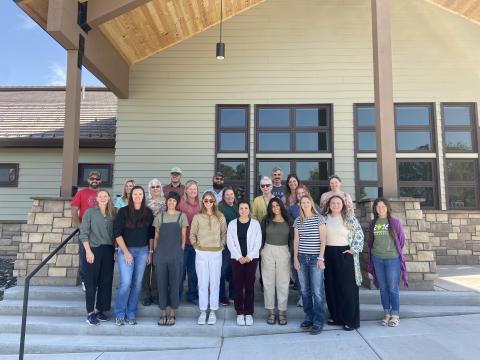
x=386 y=261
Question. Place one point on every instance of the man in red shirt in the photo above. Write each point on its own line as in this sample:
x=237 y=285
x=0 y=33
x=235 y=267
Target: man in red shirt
x=81 y=202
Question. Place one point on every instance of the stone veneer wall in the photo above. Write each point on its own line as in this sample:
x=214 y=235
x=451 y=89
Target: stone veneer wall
x=10 y=237
x=48 y=224
x=420 y=256
x=455 y=236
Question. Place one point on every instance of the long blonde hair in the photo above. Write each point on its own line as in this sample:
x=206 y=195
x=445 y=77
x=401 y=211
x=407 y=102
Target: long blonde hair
x=110 y=210
x=124 y=192
x=313 y=209
x=215 y=211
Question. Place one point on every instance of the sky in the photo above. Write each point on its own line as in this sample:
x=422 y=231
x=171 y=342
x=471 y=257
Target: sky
x=28 y=55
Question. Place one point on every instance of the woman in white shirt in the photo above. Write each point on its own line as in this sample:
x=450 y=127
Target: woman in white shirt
x=244 y=239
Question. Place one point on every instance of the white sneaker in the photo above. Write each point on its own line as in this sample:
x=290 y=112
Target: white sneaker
x=300 y=302
x=248 y=320
x=83 y=287
x=240 y=320
x=202 y=319
x=212 y=318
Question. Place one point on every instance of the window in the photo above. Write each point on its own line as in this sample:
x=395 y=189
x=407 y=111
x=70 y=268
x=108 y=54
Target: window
x=232 y=128
x=416 y=178
x=8 y=175
x=106 y=170
x=459 y=127
x=414 y=128
x=236 y=175
x=366 y=136
x=288 y=128
x=312 y=173
x=461 y=181
x=367 y=179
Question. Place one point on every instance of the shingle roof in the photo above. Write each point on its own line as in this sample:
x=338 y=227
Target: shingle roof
x=37 y=113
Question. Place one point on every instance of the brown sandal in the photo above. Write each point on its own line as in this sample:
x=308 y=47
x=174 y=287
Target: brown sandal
x=271 y=318
x=163 y=318
x=282 y=318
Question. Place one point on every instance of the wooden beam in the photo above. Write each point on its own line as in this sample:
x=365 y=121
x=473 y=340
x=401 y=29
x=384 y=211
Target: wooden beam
x=383 y=84
x=72 y=124
x=100 y=57
x=101 y=11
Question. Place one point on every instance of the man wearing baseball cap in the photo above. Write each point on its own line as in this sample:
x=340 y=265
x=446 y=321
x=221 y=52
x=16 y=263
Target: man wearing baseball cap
x=81 y=202
x=175 y=182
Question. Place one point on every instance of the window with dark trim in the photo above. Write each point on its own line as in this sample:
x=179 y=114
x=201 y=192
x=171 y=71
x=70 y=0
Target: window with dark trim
x=236 y=174
x=414 y=125
x=417 y=178
x=8 y=175
x=367 y=179
x=461 y=182
x=106 y=170
x=232 y=128
x=366 y=136
x=459 y=130
x=293 y=129
x=313 y=173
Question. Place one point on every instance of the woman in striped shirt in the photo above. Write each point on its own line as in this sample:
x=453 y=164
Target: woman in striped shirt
x=308 y=248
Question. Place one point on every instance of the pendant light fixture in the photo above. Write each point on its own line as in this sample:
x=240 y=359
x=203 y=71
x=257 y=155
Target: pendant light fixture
x=220 y=44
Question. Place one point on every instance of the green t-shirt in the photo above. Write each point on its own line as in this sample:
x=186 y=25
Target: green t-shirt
x=383 y=244
x=277 y=233
x=167 y=218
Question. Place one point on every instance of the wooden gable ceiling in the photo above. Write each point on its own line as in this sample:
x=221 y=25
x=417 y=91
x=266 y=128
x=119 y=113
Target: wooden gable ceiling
x=159 y=24
x=469 y=9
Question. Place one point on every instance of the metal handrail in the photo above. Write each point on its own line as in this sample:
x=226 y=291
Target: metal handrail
x=27 y=288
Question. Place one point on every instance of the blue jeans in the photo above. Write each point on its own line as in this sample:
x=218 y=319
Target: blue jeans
x=388 y=276
x=191 y=273
x=311 y=282
x=130 y=286
x=226 y=275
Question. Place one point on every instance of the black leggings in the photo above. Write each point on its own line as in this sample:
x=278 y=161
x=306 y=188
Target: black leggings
x=98 y=278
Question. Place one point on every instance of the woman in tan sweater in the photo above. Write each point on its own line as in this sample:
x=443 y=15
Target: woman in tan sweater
x=208 y=233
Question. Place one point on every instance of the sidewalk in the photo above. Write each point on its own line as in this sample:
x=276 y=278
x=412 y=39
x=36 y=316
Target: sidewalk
x=458 y=278
x=449 y=338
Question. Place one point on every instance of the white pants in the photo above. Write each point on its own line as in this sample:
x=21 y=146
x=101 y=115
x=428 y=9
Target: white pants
x=208 y=265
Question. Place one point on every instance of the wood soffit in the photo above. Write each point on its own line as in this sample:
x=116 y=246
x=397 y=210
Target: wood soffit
x=469 y=9
x=159 y=24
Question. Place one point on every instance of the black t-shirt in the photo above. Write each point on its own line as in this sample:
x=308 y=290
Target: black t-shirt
x=134 y=237
x=242 y=236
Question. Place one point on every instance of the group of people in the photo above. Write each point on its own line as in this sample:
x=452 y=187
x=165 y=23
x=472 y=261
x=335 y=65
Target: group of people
x=161 y=238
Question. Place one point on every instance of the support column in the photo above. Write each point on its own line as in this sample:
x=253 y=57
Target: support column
x=383 y=81
x=72 y=123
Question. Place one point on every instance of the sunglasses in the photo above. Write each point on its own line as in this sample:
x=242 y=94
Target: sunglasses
x=265 y=185
x=155 y=187
x=175 y=174
x=219 y=178
x=94 y=179
x=209 y=201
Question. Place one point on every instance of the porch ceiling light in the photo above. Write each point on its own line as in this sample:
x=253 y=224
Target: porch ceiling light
x=220 y=45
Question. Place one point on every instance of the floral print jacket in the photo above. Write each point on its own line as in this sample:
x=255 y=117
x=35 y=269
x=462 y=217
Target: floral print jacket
x=355 y=240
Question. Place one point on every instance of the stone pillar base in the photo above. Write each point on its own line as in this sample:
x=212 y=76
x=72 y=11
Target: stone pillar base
x=420 y=257
x=48 y=224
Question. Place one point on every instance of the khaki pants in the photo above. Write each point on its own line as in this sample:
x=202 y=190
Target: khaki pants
x=276 y=275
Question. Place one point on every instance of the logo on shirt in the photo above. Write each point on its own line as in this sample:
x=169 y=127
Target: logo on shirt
x=381 y=229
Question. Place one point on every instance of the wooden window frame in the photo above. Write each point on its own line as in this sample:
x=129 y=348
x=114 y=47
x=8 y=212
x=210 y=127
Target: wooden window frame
x=359 y=129
x=471 y=128
x=9 y=183
x=420 y=184
x=219 y=130
x=413 y=128
x=292 y=130
x=106 y=183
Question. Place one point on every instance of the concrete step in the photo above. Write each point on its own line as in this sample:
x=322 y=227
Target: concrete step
x=47 y=344
x=190 y=311
x=464 y=298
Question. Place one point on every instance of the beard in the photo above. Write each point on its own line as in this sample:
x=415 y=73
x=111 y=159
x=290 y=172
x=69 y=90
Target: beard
x=94 y=186
x=217 y=186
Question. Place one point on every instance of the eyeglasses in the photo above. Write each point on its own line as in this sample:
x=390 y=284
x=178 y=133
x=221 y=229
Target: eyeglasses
x=209 y=201
x=265 y=185
x=175 y=174
x=94 y=179
x=155 y=187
